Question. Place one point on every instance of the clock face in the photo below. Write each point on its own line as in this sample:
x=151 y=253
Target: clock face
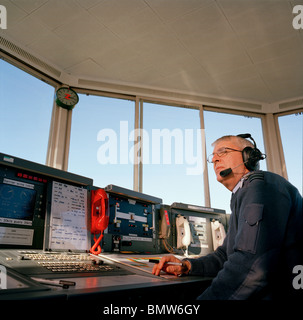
x=66 y=98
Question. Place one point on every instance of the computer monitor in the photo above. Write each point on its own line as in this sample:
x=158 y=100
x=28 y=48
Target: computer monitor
x=30 y=197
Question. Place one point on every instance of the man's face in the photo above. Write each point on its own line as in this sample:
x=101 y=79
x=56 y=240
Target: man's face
x=231 y=159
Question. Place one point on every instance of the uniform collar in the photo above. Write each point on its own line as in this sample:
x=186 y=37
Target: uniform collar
x=239 y=185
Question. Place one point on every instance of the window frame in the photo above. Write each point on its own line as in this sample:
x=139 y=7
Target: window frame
x=30 y=70
x=279 y=135
x=269 y=120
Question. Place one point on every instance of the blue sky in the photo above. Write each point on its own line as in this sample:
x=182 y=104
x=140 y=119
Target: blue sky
x=25 y=115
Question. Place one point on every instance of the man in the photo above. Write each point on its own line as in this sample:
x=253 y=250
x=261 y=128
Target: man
x=265 y=236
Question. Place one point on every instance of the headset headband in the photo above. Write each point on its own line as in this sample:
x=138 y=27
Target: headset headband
x=248 y=135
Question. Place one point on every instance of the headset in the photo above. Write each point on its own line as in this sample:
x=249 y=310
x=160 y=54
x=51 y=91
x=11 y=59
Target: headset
x=251 y=156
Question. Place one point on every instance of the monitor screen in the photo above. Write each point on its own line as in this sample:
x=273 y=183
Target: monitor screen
x=68 y=227
x=17 y=203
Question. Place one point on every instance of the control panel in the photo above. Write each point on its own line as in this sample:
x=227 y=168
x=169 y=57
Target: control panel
x=54 y=264
x=131 y=224
x=191 y=229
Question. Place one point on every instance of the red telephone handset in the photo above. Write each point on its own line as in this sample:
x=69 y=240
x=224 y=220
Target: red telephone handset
x=100 y=217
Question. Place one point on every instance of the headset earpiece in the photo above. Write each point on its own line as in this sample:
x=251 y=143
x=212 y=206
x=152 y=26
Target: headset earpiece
x=251 y=156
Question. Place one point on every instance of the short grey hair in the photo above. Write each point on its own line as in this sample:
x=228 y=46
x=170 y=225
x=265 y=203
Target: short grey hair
x=241 y=142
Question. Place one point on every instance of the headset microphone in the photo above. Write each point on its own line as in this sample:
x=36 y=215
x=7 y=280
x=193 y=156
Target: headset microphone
x=226 y=172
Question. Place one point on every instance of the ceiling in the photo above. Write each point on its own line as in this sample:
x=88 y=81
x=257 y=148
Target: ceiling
x=244 y=50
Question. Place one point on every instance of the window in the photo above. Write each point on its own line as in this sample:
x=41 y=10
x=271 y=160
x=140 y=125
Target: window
x=291 y=129
x=172 y=156
x=221 y=124
x=25 y=108
x=101 y=146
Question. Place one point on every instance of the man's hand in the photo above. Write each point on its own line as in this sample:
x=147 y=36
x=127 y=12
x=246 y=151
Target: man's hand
x=177 y=270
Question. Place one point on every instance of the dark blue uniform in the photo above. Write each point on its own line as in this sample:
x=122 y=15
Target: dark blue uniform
x=262 y=245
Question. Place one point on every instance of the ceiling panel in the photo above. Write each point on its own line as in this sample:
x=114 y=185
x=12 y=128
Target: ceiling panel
x=111 y=12
x=265 y=22
x=14 y=13
x=198 y=21
x=241 y=89
x=171 y=9
x=87 y=68
x=55 y=13
x=29 y=5
x=134 y=26
x=277 y=49
x=22 y=30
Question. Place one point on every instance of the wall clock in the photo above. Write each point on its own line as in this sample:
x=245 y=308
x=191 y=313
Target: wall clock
x=66 y=98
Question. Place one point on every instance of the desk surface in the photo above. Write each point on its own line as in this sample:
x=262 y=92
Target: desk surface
x=135 y=282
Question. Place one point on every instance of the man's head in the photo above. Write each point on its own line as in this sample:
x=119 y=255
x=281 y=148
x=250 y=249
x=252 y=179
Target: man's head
x=228 y=154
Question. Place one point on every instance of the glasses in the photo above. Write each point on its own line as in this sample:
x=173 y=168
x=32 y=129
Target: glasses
x=221 y=153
